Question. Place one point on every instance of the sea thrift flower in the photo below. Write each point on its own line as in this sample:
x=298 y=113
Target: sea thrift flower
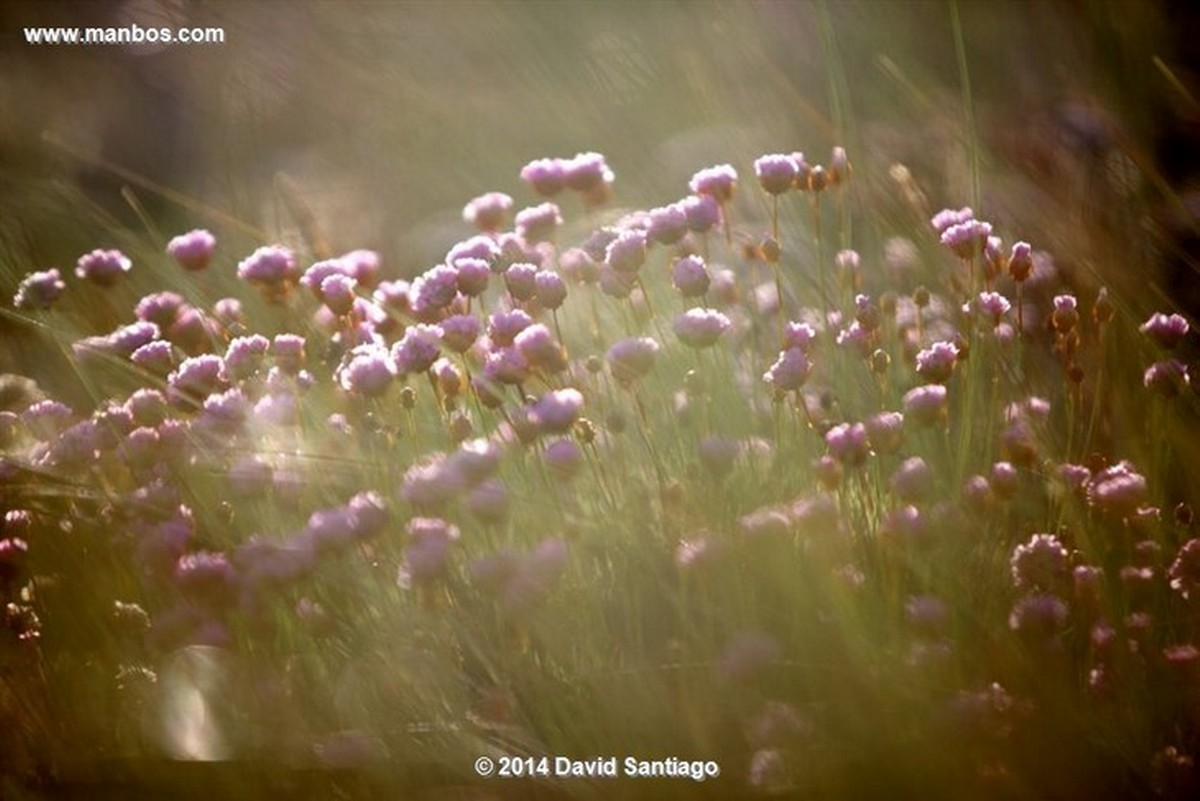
x=766 y=523
x=946 y=218
x=697 y=552
x=1066 y=313
x=703 y=213
x=417 y=350
x=433 y=290
x=245 y=355
x=288 y=350
x=926 y=404
x=128 y=338
x=460 y=331
x=776 y=173
x=790 y=370
x=147 y=407
x=545 y=176
x=1168 y=378
x=1165 y=331
x=690 y=276
x=1117 y=490
x=1040 y=563
x=206 y=577
x=626 y=253
x=913 y=480
x=160 y=308
x=1004 y=480
x=38 y=291
x=1184 y=572
x=506 y=365
x=193 y=250
x=701 y=328
x=799 y=335
x=337 y=293
x=667 y=224
x=992 y=306
x=564 y=458
x=540 y=350
x=368 y=371
x=717 y=182
x=426 y=558
x=13 y=551
x=503 y=327
x=885 y=431
x=103 y=267
x=848 y=443
x=857 y=339
x=1038 y=617
x=557 y=411
x=587 y=172
x=514 y=248
x=488 y=501
x=966 y=238
x=479 y=247
x=271 y=267
x=551 y=289
x=198 y=377
x=1020 y=261
x=538 y=223
x=473 y=276
x=936 y=363
x=156 y=357
x=632 y=358
x=228 y=312
x=489 y=211
x=521 y=281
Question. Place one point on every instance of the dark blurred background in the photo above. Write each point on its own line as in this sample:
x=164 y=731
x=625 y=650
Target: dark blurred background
x=384 y=118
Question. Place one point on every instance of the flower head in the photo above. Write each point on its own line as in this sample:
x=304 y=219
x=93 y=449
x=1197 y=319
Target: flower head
x=556 y=412
x=926 y=404
x=418 y=349
x=1165 y=331
x=545 y=176
x=489 y=211
x=102 y=267
x=193 y=250
x=703 y=213
x=627 y=253
x=39 y=290
x=936 y=363
x=790 y=370
x=538 y=223
x=632 y=358
x=776 y=172
x=690 y=276
x=1040 y=563
x=701 y=328
x=667 y=224
x=368 y=371
x=717 y=182
x=848 y=443
x=586 y=172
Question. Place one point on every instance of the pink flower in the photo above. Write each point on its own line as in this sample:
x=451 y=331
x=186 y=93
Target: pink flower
x=193 y=250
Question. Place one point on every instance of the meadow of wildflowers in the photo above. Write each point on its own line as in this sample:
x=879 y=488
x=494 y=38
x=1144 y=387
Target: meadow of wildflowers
x=697 y=482
x=352 y=431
